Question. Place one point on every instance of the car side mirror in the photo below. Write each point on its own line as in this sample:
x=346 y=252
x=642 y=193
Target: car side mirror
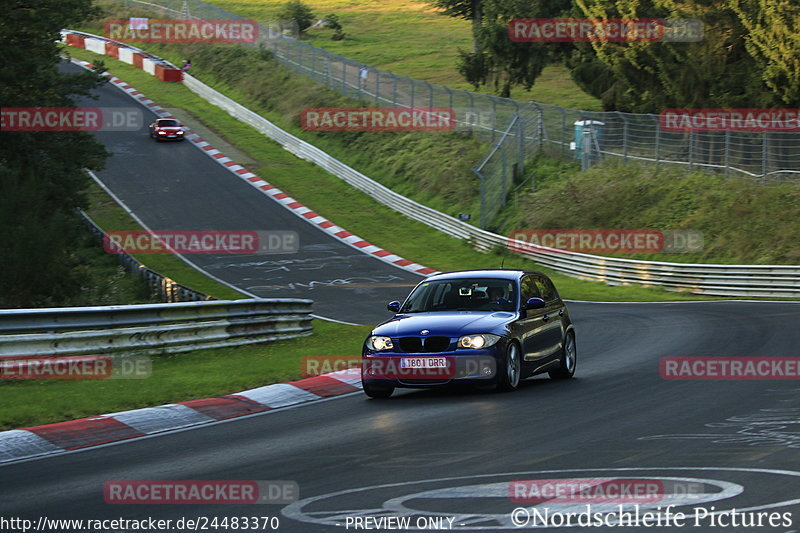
x=534 y=303
x=394 y=307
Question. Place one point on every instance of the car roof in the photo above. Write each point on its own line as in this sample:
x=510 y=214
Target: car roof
x=497 y=273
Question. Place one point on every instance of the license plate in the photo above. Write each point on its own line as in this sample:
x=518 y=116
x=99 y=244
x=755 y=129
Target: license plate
x=423 y=362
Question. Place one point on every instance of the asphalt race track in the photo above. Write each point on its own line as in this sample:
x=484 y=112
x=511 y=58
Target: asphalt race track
x=450 y=454
x=435 y=456
x=174 y=186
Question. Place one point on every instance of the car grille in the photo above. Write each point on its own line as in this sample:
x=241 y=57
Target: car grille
x=432 y=344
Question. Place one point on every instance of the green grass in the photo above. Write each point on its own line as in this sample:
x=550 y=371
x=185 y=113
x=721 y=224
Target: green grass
x=175 y=378
x=352 y=209
x=412 y=39
x=110 y=217
x=742 y=221
x=207 y=373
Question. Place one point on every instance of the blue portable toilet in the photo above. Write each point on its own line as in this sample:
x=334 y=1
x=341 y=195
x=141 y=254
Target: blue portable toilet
x=595 y=130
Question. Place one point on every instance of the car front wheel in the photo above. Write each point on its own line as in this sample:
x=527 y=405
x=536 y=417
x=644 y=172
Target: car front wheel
x=511 y=369
x=569 y=359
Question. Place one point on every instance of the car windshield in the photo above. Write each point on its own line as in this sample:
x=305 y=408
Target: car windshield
x=168 y=123
x=466 y=294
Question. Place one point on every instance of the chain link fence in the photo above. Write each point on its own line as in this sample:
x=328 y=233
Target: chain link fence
x=518 y=130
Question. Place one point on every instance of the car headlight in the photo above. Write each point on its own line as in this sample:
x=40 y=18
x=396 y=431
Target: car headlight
x=379 y=343
x=477 y=342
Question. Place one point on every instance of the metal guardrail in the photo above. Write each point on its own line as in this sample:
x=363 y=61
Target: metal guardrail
x=708 y=279
x=167 y=289
x=151 y=328
x=626 y=137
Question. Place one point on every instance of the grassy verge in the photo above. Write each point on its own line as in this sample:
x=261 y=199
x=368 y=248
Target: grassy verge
x=409 y=38
x=175 y=378
x=110 y=217
x=214 y=372
x=742 y=221
x=352 y=209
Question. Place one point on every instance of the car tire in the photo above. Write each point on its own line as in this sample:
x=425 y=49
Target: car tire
x=568 y=360
x=510 y=371
x=377 y=392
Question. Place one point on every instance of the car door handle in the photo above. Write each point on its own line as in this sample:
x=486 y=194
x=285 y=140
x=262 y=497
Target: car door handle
x=561 y=312
x=545 y=318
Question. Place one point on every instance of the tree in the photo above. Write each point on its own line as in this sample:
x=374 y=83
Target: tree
x=299 y=13
x=465 y=9
x=773 y=40
x=499 y=60
x=42 y=180
x=722 y=70
x=332 y=22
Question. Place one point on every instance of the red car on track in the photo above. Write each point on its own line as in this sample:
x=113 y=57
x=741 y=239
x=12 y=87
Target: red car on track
x=166 y=129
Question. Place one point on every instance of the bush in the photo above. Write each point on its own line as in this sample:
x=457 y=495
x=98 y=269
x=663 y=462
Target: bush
x=299 y=13
x=332 y=22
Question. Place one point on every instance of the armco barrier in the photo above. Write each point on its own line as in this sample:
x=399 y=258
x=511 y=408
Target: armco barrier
x=708 y=279
x=153 y=65
x=151 y=328
x=167 y=289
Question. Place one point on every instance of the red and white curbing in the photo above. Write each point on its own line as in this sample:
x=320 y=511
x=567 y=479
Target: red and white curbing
x=26 y=443
x=273 y=192
x=307 y=214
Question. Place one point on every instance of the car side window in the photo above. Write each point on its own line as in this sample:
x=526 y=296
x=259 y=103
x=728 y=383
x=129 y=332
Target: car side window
x=529 y=289
x=546 y=289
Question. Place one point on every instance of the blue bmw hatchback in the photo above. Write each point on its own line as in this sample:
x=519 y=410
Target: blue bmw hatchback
x=478 y=326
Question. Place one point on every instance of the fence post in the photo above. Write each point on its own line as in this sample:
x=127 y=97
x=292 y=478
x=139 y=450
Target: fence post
x=764 y=152
x=344 y=77
x=727 y=152
x=563 y=130
x=483 y=197
x=377 y=87
x=624 y=137
x=449 y=97
x=300 y=59
x=494 y=113
x=539 y=124
x=314 y=75
x=505 y=174
x=394 y=89
x=658 y=143
x=691 y=150
x=521 y=134
x=430 y=86
x=413 y=87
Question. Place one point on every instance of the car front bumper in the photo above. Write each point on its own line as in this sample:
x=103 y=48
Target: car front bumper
x=381 y=369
